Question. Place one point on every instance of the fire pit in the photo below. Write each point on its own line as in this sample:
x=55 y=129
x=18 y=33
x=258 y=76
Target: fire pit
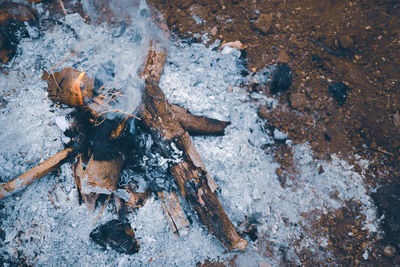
x=128 y=153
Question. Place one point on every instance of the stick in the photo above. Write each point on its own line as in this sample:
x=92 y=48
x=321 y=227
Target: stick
x=198 y=125
x=13 y=186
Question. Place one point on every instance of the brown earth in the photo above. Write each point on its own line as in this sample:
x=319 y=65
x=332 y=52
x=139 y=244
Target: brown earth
x=323 y=42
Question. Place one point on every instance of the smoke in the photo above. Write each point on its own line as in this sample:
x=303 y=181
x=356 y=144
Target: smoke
x=121 y=57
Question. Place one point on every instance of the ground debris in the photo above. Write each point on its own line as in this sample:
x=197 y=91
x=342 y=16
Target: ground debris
x=281 y=79
x=387 y=198
x=116 y=235
x=338 y=91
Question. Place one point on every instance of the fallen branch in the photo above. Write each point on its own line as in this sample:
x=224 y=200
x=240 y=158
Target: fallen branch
x=13 y=186
x=198 y=125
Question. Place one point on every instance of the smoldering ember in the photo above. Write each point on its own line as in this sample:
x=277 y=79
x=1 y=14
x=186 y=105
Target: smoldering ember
x=222 y=133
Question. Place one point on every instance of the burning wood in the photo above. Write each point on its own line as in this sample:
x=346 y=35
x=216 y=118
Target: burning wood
x=96 y=177
x=14 y=19
x=69 y=86
x=99 y=172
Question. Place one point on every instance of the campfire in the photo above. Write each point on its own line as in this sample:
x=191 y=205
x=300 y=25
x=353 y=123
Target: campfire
x=125 y=143
x=102 y=136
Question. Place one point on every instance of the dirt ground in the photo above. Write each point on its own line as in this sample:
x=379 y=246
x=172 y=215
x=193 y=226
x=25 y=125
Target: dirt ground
x=323 y=42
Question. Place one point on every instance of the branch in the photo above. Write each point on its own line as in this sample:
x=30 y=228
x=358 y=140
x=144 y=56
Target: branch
x=13 y=186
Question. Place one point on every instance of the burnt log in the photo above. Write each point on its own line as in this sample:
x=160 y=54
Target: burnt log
x=194 y=182
x=14 y=21
x=198 y=125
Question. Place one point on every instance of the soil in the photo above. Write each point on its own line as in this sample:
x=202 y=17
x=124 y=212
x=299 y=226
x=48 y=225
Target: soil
x=323 y=42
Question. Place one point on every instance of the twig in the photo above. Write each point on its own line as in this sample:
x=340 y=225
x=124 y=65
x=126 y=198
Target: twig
x=102 y=209
x=63 y=8
x=119 y=111
x=10 y=92
x=377 y=8
x=52 y=201
x=383 y=151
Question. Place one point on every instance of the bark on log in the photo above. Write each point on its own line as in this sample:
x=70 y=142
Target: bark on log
x=98 y=177
x=190 y=174
x=198 y=125
x=13 y=186
x=173 y=212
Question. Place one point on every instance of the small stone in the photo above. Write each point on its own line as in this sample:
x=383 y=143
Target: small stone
x=298 y=101
x=263 y=23
x=338 y=92
x=214 y=31
x=283 y=57
x=281 y=78
x=389 y=251
x=346 y=41
x=320 y=169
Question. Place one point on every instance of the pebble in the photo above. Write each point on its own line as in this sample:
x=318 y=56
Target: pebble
x=263 y=23
x=283 y=57
x=298 y=101
x=389 y=251
x=338 y=91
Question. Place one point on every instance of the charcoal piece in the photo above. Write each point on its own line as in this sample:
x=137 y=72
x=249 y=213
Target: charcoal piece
x=116 y=235
x=249 y=226
x=338 y=92
x=281 y=78
x=387 y=199
x=102 y=147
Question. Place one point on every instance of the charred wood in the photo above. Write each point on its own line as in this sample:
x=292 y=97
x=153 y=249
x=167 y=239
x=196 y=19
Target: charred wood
x=198 y=125
x=190 y=174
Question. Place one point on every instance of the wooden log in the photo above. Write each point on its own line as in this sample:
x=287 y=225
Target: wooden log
x=190 y=174
x=173 y=212
x=96 y=177
x=198 y=125
x=69 y=86
x=13 y=186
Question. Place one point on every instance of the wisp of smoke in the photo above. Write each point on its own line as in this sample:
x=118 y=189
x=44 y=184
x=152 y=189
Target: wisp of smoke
x=119 y=70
